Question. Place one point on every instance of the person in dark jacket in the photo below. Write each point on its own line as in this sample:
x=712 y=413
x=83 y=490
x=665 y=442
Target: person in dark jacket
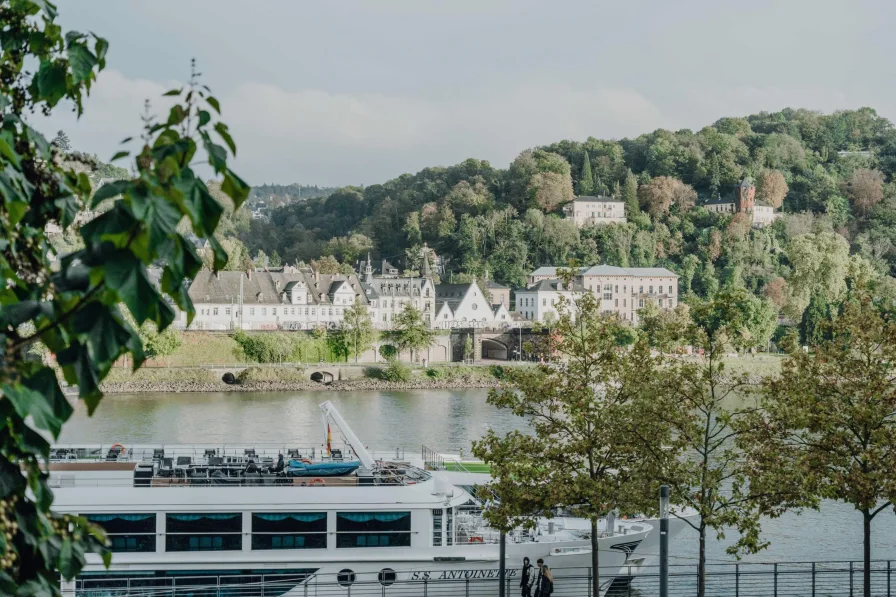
x=544 y=581
x=527 y=578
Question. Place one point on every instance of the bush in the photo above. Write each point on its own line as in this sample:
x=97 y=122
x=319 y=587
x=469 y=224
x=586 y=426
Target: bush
x=261 y=374
x=388 y=352
x=374 y=372
x=435 y=373
x=396 y=371
x=498 y=371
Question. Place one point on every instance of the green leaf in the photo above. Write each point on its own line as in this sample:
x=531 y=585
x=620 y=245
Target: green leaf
x=67 y=565
x=82 y=61
x=40 y=398
x=16 y=314
x=235 y=188
x=101 y=46
x=77 y=365
x=204 y=117
x=214 y=104
x=110 y=189
x=49 y=82
x=172 y=92
x=105 y=336
x=177 y=115
x=222 y=130
x=47 y=7
x=119 y=155
x=127 y=276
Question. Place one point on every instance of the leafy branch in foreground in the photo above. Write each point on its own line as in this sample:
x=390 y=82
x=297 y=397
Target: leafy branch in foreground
x=73 y=308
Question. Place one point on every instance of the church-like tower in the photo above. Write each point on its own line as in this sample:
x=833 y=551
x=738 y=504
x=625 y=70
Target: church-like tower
x=744 y=197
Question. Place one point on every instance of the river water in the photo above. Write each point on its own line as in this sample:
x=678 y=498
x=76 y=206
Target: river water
x=444 y=420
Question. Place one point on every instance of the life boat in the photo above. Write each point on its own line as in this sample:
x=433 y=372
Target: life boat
x=476 y=539
x=317 y=481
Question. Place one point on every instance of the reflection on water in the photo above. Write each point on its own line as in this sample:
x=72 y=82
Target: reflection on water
x=446 y=420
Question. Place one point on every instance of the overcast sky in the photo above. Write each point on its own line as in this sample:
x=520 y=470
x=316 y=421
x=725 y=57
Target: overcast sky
x=354 y=92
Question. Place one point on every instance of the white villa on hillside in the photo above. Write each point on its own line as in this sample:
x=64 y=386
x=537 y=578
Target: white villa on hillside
x=595 y=210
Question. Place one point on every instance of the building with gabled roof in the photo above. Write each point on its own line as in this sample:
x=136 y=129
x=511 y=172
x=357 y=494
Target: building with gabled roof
x=467 y=306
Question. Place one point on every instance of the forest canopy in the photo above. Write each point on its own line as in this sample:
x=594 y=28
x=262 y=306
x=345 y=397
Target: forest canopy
x=830 y=175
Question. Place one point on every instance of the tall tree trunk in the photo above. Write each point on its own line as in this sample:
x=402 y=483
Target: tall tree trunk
x=866 y=555
x=701 y=563
x=595 y=560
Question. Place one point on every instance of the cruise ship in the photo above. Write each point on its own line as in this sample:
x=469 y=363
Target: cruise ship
x=297 y=518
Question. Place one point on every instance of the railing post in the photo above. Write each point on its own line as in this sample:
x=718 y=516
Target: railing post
x=589 y=581
x=888 y=578
x=737 y=580
x=850 y=579
x=467 y=587
x=425 y=586
x=813 y=579
x=776 y=579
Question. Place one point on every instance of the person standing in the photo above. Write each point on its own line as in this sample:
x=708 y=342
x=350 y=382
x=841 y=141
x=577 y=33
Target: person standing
x=527 y=578
x=544 y=582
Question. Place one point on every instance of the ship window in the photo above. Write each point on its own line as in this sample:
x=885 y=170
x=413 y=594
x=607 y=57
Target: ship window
x=387 y=577
x=204 y=532
x=373 y=529
x=289 y=530
x=128 y=532
x=345 y=578
x=437 y=527
x=449 y=527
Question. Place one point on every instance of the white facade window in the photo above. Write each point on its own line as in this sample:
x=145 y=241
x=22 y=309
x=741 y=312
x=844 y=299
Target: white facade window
x=251 y=310
x=264 y=311
x=544 y=302
x=215 y=311
x=274 y=311
x=226 y=310
x=608 y=292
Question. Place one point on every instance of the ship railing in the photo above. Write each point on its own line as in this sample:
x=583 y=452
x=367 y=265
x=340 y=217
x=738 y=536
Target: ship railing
x=825 y=578
x=118 y=452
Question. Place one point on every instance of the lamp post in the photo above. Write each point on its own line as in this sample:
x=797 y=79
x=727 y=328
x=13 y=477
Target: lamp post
x=502 y=554
x=664 y=541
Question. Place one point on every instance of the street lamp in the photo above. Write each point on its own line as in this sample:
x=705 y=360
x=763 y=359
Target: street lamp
x=664 y=541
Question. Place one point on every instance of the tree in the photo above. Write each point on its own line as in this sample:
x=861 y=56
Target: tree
x=74 y=306
x=585 y=185
x=357 y=329
x=812 y=326
x=865 y=189
x=325 y=265
x=771 y=187
x=828 y=419
x=261 y=260
x=410 y=331
x=776 y=291
x=630 y=195
x=658 y=195
x=701 y=463
x=582 y=453
x=275 y=260
x=819 y=262
x=61 y=142
x=550 y=190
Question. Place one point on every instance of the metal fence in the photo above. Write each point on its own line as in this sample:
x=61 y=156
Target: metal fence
x=782 y=579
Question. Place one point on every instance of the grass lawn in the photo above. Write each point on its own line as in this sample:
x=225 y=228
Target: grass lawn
x=201 y=348
x=468 y=467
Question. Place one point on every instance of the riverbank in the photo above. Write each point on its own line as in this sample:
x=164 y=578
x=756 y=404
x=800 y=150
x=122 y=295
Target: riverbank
x=290 y=379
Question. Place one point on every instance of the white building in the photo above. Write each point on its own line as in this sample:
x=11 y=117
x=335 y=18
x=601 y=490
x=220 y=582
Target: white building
x=540 y=301
x=465 y=305
x=290 y=299
x=623 y=291
x=584 y=211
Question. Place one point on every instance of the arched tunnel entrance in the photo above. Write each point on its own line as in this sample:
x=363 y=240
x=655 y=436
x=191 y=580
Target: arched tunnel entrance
x=492 y=349
x=322 y=376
